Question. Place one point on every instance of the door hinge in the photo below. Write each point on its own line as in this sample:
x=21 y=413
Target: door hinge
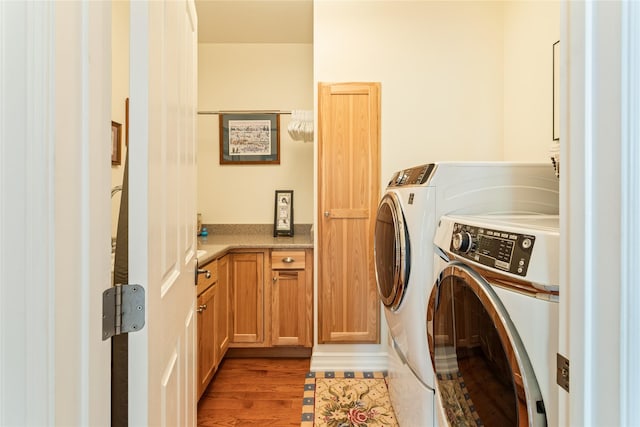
x=122 y=310
x=562 y=371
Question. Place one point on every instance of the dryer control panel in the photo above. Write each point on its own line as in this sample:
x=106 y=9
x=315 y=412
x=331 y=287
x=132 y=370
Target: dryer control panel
x=506 y=251
x=413 y=176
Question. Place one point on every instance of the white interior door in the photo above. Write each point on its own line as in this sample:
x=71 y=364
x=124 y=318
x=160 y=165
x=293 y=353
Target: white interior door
x=55 y=120
x=162 y=211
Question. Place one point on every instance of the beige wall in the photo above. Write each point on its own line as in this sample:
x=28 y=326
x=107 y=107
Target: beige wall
x=460 y=81
x=440 y=65
x=530 y=29
x=253 y=77
x=119 y=91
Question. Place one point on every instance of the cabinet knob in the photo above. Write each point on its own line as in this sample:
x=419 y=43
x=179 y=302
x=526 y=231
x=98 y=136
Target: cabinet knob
x=206 y=273
x=202 y=308
x=288 y=260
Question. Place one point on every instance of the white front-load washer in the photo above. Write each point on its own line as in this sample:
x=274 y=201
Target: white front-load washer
x=492 y=320
x=406 y=221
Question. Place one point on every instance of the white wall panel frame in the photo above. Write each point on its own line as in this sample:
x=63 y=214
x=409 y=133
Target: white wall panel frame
x=630 y=218
x=26 y=224
x=600 y=223
x=54 y=216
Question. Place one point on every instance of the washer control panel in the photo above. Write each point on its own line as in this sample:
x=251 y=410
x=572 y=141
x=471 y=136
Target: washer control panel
x=506 y=251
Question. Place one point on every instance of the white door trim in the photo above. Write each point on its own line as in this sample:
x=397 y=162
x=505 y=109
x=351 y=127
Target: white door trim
x=55 y=102
x=138 y=108
x=600 y=211
x=27 y=311
x=630 y=218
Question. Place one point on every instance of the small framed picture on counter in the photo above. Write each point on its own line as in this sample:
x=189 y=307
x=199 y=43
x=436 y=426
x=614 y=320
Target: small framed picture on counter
x=283 y=216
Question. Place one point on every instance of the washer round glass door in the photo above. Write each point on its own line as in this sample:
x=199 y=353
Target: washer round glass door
x=483 y=374
x=391 y=251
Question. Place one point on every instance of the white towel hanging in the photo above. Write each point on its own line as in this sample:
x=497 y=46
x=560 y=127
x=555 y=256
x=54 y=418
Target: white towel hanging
x=301 y=125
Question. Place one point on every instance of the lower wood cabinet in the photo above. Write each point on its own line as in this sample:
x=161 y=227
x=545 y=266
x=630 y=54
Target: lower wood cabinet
x=206 y=346
x=253 y=298
x=213 y=320
x=271 y=298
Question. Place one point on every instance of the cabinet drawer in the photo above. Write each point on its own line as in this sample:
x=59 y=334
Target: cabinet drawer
x=203 y=282
x=288 y=260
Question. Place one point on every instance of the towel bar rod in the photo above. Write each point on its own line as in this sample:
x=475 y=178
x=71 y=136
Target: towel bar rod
x=244 y=112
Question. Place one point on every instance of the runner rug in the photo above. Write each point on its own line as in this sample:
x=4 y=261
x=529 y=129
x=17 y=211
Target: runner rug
x=347 y=399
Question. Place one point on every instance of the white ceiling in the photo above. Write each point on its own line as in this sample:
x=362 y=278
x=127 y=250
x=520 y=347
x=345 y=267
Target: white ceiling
x=255 y=21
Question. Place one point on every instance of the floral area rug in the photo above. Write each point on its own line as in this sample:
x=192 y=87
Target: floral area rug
x=347 y=399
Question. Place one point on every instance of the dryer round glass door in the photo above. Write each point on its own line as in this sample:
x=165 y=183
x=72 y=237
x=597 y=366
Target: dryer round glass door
x=391 y=251
x=483 y=374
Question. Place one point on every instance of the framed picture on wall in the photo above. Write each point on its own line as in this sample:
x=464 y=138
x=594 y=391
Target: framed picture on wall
x=283 y=216
x=126 y=122
x=556 y=91
x=116 y=143
x=248 y=138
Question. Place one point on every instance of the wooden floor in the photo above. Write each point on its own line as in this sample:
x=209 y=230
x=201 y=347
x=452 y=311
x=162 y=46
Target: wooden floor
x=255 y=392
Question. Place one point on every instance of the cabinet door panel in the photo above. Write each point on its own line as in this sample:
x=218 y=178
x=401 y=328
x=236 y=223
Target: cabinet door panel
x=288 y=326
x=222 y=313
x=247 y=272
x=206 y=332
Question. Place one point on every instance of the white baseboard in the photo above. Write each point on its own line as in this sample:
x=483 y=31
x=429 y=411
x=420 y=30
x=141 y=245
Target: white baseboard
x=349 y=361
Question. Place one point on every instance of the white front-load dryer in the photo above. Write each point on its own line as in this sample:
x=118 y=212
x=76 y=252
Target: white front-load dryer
x=406 y=221
x=492 y=320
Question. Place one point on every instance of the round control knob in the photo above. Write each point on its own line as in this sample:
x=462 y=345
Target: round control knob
x=462 y=241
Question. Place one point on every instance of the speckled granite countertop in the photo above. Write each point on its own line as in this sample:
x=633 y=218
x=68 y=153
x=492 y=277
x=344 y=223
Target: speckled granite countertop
x=225 y=237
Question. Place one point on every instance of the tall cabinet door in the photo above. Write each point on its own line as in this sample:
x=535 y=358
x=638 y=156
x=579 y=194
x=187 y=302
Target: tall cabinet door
x=348 y=192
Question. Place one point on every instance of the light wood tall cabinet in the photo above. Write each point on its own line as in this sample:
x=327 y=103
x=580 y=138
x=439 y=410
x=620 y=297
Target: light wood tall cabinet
x=348 y=195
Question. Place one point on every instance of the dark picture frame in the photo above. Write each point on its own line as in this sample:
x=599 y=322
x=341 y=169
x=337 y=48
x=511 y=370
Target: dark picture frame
x=249 y=138
x=283 y=213
x=116 y=143
x=126 y=122
x=556 y=92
